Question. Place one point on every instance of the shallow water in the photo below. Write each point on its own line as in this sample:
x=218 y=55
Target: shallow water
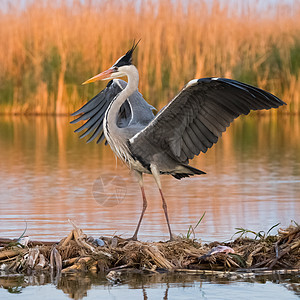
x=48 y=175
x=160 y=286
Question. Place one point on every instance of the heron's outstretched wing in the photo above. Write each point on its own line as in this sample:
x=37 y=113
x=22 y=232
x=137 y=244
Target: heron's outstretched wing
x=194 y=120
x=93 y=112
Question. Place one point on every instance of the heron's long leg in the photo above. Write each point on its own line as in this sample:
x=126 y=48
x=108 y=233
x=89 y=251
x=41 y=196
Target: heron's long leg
x=141 y=183
x=156 y=174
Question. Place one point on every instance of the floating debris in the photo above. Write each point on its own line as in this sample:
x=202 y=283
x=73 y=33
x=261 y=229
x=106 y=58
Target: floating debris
x=23 y=242
x=114 y=277
x=96 y=242
x=218 y=249
x=242 y=258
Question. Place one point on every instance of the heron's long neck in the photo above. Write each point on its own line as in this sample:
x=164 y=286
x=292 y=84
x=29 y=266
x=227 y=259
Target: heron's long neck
x=133 y=81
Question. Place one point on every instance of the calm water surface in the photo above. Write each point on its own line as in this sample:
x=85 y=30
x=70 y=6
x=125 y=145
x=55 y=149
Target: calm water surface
x=160 y=286
x=48 y=175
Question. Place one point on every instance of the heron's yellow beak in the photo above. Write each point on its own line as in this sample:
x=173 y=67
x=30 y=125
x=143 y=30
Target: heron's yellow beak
x=104 y=75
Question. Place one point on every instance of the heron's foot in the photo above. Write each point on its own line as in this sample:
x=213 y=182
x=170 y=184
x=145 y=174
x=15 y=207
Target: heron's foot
x=133 y=238
x=172 y=238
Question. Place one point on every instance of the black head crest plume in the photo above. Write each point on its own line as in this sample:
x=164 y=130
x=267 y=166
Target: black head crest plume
x=127 y=58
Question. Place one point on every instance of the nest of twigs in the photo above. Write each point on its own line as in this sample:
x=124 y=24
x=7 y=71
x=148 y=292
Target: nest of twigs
x=79 y=253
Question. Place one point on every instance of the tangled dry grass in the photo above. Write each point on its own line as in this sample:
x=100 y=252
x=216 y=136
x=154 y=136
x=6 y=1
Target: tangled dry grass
x=79 y=253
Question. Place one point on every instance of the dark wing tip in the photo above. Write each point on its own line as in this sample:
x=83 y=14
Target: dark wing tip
x=93 y=113
x=75 y=113
x=74 y=121
x=253 y=91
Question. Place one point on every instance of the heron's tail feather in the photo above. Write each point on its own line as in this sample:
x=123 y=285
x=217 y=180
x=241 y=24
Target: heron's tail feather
x=190 y=171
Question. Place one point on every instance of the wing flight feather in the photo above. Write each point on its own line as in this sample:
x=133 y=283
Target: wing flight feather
x=194 y=120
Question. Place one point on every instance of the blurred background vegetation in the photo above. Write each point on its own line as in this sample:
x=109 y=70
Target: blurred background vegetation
x=48 y=48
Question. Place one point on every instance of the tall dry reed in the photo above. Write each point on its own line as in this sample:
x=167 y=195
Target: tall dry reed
x=47 y=48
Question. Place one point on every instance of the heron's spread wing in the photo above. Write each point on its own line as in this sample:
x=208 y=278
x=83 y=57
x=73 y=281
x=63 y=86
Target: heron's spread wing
x=194 y=120
x=93 y=112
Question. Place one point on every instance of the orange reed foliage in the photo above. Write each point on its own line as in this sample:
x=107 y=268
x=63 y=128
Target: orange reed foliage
x=47 y=48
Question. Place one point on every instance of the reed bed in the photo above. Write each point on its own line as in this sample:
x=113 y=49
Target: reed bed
x=48 y=48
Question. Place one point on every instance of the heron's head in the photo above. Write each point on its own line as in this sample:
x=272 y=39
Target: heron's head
x=118 y=69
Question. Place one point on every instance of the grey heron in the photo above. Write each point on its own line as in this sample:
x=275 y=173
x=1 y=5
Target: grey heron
x=163 y=144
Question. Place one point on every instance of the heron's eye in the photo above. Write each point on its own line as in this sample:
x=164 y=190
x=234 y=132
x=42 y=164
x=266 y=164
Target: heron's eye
x=115 y=69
